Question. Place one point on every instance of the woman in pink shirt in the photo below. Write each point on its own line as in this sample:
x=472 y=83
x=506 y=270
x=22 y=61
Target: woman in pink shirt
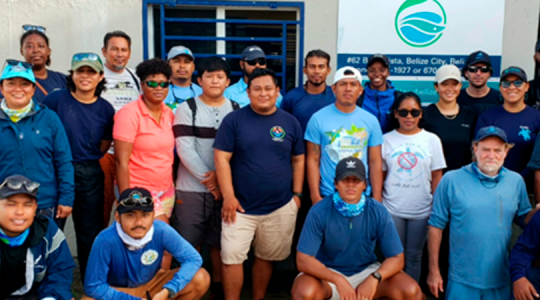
x=144 y=139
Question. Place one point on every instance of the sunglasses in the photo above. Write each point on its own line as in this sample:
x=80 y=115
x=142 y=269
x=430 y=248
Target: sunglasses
x=517 y=83
x=415 y=113
x=261 y=61
x=86 y=56
x=484 y=69
x=17 y=184
x=136 y=198
x=14 y=62
x=28 y=27
x=155 y=84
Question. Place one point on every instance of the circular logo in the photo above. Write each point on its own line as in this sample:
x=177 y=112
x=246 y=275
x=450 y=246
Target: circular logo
x=420 y=23
x=407 y=160
x=149 y=257
x=277 y=133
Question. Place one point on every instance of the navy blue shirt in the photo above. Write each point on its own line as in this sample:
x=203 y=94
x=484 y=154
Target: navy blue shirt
x=55 y=81
x=347 y=245
x=86 y=124
x=303 y=105
x=262 y=148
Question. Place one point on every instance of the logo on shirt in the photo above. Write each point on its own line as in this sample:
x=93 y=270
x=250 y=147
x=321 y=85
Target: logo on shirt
x=277 y=133
x=149 y=257
x=346 y=142
x=407 y=160
x=525 y=132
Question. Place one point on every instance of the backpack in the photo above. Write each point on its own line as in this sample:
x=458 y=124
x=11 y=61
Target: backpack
x=193 y=107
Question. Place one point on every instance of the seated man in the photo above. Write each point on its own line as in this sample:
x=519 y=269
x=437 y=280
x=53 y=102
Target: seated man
x=336 y=248
x=35 y=262
x=125 y=260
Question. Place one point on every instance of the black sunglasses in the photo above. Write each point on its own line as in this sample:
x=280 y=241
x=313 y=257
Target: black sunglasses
x=155 y=84
x=415 y=113
x=261 y=61
x=14 y=62
x=136 y=198
x=484 y=69
x=517 y=83
x=16 y=184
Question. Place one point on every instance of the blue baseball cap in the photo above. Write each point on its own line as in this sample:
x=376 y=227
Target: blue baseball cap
x=490 y=131
x=179 y=50
x=519 y=72
x=15 y=68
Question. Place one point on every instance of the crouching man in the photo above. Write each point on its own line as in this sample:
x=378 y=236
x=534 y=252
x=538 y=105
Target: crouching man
x=125 y=261
x=336 y=251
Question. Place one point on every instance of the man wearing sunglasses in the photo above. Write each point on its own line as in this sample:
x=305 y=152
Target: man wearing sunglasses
x=253 y=57
x=125 y=261
x=478 y=95
x=35 y=261
x=182 y=62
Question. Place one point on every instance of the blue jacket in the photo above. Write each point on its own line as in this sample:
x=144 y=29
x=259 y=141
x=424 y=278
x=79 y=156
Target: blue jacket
x=526 y=250
x=50 y=262
x=37 y=147
x=380 y=104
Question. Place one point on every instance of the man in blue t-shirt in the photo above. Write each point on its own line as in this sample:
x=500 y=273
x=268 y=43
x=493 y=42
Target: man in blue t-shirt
x=259 y=157
x=182 y=62
x=125 y=262
x=341 y=130
x=336 y=251
x=479 y=202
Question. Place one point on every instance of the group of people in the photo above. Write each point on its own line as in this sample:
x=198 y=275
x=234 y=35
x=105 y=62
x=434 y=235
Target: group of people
x=362 y=173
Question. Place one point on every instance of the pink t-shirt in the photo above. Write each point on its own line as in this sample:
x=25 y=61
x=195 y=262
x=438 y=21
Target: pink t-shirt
x=151 y=161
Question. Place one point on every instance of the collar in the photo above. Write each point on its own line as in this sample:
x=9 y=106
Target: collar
x=144 y=110
x=131 y=243
x=242 y=85
x=484 y=177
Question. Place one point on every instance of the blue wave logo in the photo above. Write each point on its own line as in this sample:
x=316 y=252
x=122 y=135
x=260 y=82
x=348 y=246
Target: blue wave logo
x=420 y=23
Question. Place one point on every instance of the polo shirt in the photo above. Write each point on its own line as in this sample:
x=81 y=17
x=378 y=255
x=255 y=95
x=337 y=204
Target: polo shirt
x=238 y=92
x=151 y=160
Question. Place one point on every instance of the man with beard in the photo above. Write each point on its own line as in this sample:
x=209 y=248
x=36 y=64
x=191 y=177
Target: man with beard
x=478 y=95
x=479 y=202
x=303 y=101
x=182 y=62
x=253 y=57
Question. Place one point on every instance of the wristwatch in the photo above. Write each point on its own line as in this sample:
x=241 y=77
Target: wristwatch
x=171 y=293
x=377 y=276
x=299 y=195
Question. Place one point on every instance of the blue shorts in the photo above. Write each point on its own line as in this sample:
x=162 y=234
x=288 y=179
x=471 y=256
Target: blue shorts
x=458 y=291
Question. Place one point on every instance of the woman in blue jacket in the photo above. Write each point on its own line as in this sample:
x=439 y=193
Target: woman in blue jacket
x=34 y=142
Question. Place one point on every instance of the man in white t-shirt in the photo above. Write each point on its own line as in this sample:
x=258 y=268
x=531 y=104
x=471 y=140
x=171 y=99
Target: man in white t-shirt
x=122 y=87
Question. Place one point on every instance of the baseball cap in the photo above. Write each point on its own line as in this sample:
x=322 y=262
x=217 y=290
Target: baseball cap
x=136 y=198
x=253 y=52
x=179 y=50
x=350 y=166
x=478 y=57
x=446 y=72
x=340 y=74
x=489 y=131
x=379 y=57
x=15 y=68
x=87 y=59
x=18 y=184
x=514 y=71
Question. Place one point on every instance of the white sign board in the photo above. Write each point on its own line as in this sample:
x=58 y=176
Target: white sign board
x=419 y=36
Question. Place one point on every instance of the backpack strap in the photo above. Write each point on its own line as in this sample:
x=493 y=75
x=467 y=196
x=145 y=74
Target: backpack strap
x=360 y=100
x=134 y=79
x=193 y=107
x=235 y=105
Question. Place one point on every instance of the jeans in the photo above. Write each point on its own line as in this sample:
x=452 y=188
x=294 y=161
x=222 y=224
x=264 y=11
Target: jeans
x=88 y=208
x=413 y=236
x=51 y=213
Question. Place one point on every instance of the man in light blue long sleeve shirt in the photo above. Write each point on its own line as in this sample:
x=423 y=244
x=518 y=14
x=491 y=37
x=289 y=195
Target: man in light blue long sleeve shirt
x=125 y=261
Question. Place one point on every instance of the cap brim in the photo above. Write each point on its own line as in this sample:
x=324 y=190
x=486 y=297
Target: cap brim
x=79 y=64
x=350 y=173
x=180 y=54
x=474 y=62
x=18 y=192
x=124 y=209
x=458 y=78
x=375 y=59
x=10 y=76
x=491 y=135
x=252 y=56
x=519 y=75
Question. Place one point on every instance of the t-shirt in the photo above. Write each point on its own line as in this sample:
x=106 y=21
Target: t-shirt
x=347 y=245
x=262 y=148
x=534 y=163
x=12 y=268
x=238 y=92
x=86 y=124
x=341 y=135
x=480 y=105
x=195 y=151
x=152 y=156
x=122 y=88
x=409 y=161
x=55 y=81
x=533 y=94
x=456 y=134
x=299 y=103
x=179 y=94
x=521 y=129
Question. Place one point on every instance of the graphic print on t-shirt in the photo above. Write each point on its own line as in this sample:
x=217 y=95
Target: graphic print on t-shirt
x=525 y=133
x=408 y=155
x=346 y=142
x=277 y=133
x=122 y=92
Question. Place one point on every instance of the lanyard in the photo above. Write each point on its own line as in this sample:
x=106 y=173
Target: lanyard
x=180 y=100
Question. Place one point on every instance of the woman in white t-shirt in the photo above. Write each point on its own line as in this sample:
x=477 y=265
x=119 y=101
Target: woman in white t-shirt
x=413 y=160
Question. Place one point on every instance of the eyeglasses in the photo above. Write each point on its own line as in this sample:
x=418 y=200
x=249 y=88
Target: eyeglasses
x=517 y=83
x=16 y=184
x=14 y=62
x=155 y=84
x=261 y=61
x=28 y=27
x=415 y=113
x=136 y=198
x=86 y=56
x=484 y=69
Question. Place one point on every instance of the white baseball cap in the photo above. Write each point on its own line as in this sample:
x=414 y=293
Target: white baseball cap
x=446 y=72
x=340 y=74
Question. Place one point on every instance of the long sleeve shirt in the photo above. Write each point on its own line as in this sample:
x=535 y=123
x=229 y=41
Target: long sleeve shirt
x=526 y=250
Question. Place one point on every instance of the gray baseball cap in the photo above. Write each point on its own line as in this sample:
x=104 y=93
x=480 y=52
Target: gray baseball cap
x=179 y=50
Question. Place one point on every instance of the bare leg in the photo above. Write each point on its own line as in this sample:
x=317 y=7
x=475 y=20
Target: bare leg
x=196 y=288
x=399 y=287
x=233 y=278
x=262 y=272
x=167 y=257
x=307 y=287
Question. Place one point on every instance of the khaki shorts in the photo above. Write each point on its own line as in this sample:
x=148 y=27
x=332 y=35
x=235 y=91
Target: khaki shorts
x=273 y=235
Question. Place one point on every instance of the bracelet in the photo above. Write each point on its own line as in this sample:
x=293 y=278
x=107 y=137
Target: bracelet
x=299 y=195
